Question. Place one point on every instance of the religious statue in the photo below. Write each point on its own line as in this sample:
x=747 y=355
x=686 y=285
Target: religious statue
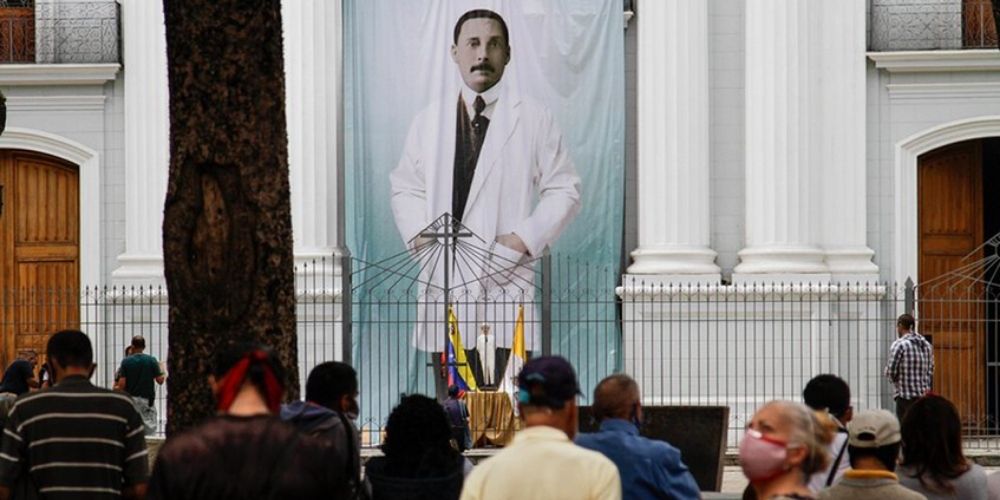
x=486 y=348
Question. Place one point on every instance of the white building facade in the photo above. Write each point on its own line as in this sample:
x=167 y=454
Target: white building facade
x=770 y=142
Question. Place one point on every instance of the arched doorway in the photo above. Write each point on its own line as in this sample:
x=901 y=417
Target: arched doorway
x=955 y=215
x=39 y=249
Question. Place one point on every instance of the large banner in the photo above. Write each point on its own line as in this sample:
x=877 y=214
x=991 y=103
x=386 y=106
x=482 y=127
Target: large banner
x=507 y=116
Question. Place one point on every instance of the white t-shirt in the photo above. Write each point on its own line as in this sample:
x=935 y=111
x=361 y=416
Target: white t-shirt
x=818 y=480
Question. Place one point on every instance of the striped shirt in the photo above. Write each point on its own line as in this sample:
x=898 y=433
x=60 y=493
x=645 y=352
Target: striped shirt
x=911 y=366
x=74 y=440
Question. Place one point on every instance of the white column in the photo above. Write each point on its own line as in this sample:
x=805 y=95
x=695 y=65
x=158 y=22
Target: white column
x=841 y=67
x=673 y=141
x=147 y=146
x=312 y=46
x=312 y=81
x=781 y=225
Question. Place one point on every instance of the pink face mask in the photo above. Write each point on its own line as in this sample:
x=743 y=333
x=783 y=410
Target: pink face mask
x=761 y=457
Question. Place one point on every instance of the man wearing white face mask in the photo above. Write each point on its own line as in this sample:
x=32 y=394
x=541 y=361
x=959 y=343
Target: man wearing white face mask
x=784 y=445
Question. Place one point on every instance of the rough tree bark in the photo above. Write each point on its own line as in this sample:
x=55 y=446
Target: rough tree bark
x=227 y=228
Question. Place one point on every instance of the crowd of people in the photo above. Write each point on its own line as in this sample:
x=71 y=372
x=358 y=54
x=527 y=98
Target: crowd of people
x=73 y=439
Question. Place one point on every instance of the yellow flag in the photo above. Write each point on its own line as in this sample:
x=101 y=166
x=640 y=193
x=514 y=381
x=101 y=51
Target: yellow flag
x=518 y=355
x=518 y=345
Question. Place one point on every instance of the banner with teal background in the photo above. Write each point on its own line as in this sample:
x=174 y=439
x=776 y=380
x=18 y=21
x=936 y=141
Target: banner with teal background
x=565 y=55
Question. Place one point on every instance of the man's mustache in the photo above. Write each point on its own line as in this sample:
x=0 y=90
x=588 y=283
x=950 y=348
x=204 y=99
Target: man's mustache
x=483 y=66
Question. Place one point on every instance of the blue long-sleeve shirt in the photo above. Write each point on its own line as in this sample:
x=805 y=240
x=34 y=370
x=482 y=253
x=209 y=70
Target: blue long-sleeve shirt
x=648 y=468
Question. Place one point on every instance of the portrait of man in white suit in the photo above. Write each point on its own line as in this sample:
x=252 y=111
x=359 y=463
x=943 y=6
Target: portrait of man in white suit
x=496 y=160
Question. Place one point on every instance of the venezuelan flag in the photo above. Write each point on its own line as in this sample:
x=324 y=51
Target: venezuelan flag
x=459 y=372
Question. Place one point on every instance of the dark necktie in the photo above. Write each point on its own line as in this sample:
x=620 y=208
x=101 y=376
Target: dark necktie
x=479 y=122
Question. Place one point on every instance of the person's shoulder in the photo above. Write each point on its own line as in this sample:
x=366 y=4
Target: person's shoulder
x=63 y=393
x=590 y=439
x=896 y=490
x=591 y=458
x=660 y=449
x=261 y=432
x=974 y=478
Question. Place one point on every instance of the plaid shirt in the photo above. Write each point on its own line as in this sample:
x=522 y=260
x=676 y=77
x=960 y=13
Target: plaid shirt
x=911 y=366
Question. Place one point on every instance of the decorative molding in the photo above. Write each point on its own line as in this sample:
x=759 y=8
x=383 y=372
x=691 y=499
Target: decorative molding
x=961 y=90
x=906 y=237
x=89 y=164
x=56 y=103
x=58 y=74
x=922 y=61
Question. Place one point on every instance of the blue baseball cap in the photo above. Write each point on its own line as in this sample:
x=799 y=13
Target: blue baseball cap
x=547 y=381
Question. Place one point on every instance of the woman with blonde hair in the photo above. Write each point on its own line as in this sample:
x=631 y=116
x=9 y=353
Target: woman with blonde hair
x=785 y=443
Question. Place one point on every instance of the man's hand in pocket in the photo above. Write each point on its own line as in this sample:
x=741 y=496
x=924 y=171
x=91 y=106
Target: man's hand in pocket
x=512 y=241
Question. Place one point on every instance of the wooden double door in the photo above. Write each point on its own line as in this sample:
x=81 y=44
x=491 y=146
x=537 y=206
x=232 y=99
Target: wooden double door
x=952 y=291
x=39 y=250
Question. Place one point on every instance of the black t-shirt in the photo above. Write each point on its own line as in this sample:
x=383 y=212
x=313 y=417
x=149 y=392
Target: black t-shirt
x=231 y=457
x=15 y=379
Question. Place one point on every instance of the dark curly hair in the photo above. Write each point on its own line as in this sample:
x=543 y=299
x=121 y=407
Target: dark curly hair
x=932 y=443
x=418 y=439
x=828 y=392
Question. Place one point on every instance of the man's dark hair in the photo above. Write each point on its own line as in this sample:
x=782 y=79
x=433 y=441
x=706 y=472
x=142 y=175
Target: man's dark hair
x=482 y=14
x=615 y=397
x=418 y=439
x=453 y=391
x=330 y=381
x=906 y=321
x=70 y=348
x=828 y=392
x=138 y=342
x=886 y=455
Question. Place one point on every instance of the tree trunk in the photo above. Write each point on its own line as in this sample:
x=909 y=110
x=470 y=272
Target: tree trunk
x=227 y=227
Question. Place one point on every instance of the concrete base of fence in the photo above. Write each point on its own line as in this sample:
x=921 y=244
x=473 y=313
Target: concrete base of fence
x=743 y=345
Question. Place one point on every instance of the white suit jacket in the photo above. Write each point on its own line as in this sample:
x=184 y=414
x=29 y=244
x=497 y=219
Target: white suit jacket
x=524 y=183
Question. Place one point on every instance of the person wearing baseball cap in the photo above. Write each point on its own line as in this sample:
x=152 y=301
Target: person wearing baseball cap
x=873 y=444
x=542 y=462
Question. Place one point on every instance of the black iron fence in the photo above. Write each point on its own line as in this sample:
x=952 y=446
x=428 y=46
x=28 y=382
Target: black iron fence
x=686 y=344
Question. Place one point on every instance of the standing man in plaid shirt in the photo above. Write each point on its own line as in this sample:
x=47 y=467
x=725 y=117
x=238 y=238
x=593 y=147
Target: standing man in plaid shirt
x=911 y=365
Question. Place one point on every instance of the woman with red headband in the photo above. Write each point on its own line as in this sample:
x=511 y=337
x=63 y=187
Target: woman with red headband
x=246 y=451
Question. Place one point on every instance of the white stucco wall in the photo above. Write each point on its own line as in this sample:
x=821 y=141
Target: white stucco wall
x=902 y=105
x=726 y=33
x=87 y=114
